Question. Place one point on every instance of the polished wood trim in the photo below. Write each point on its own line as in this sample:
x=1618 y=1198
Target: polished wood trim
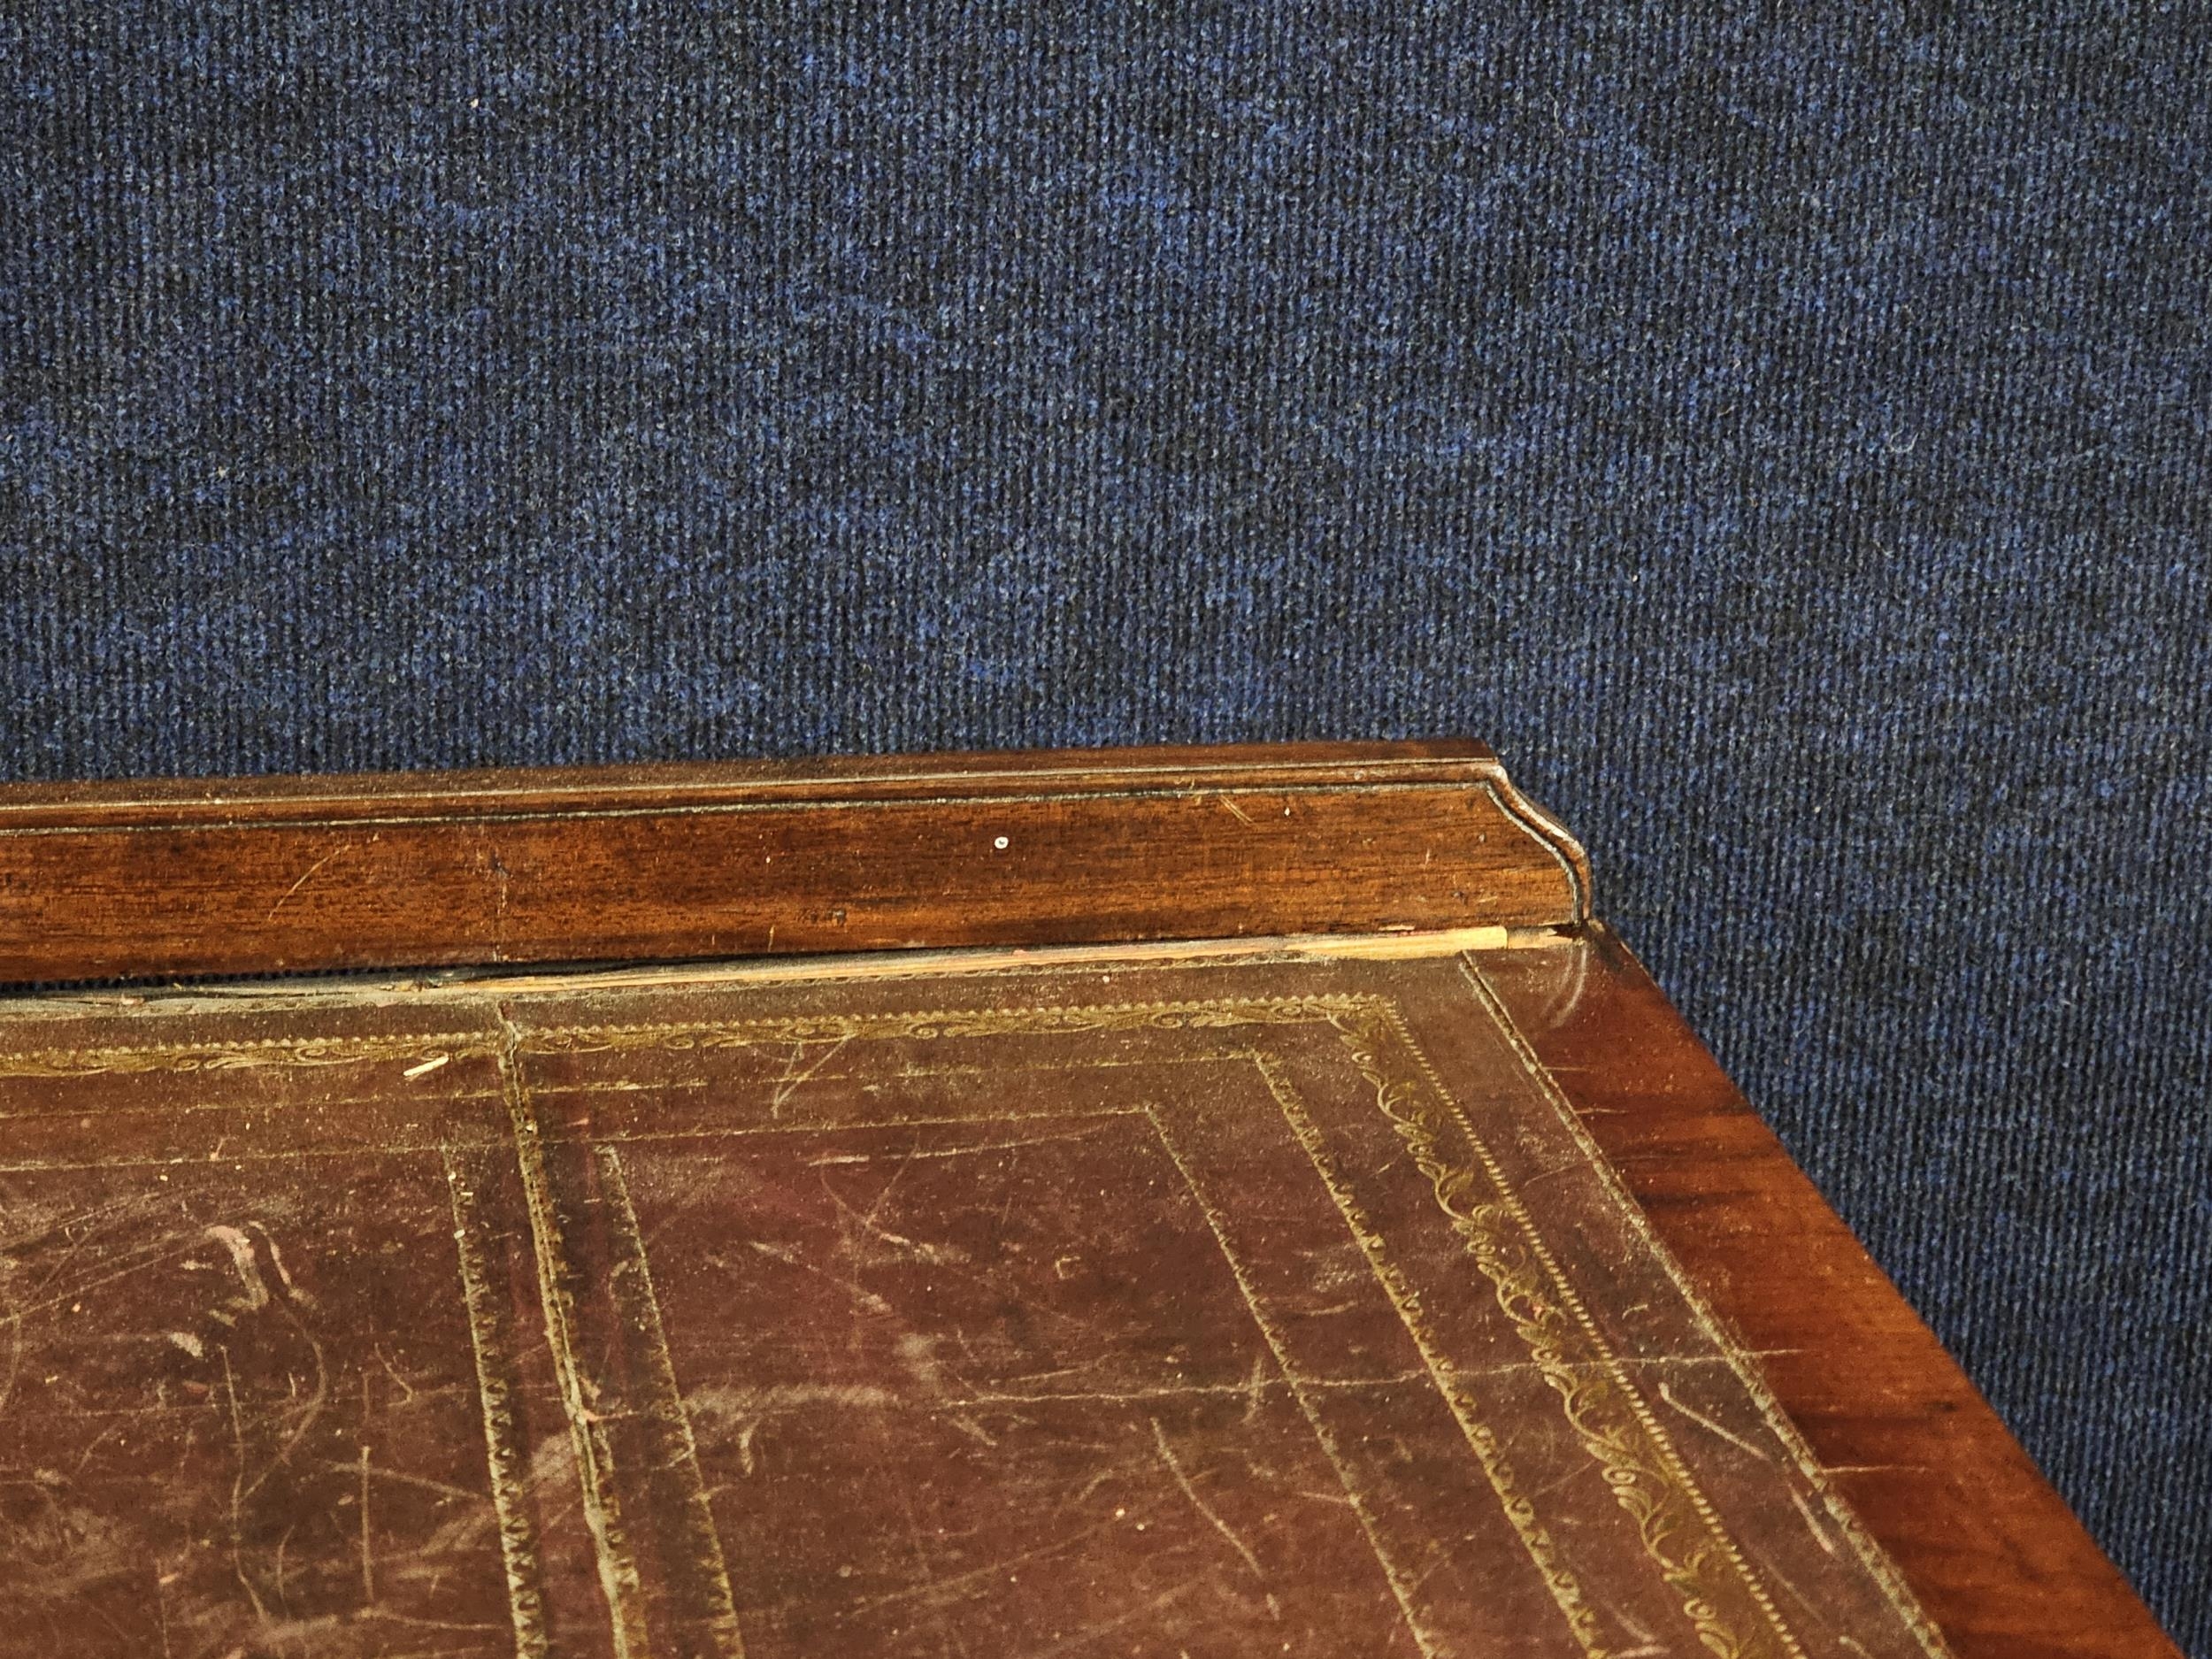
x=306 y=796
x=142 y=879
x=1994 y=1553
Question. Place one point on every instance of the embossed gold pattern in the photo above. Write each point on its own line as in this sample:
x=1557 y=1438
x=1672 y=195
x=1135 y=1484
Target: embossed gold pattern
x=130 y=1058
x=504 y=1456
x=1719 y=1593
x=1520 y=1509
x=1718 y=1590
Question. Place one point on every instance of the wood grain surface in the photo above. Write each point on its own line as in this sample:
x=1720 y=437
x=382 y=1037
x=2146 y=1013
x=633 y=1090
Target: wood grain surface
x=291 y=874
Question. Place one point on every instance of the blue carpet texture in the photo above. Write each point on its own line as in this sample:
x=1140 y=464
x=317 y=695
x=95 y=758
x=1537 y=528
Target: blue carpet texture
x=1787 y=442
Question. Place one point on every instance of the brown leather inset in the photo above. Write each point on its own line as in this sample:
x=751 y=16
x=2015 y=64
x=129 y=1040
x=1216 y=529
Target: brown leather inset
x=1167 y=1308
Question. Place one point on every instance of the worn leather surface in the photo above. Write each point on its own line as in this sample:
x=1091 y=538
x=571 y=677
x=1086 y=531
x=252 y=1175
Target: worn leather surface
x=1174 y=1308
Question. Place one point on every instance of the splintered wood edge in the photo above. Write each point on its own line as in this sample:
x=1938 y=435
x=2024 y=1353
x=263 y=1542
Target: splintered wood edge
x=171 y=878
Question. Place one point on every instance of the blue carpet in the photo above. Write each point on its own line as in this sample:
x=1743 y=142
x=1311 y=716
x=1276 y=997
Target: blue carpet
x=1786 y=443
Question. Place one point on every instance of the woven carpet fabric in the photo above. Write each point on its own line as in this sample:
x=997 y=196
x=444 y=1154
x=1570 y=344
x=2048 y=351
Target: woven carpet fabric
x=1786 y=440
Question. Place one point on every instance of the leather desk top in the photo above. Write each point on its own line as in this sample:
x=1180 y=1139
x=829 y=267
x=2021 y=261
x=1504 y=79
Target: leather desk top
x=1166 y=1307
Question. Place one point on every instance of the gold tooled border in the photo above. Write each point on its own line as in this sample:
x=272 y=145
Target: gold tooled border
x=1719 y=1591
x=1870 y=1556
x=1680 y=1532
